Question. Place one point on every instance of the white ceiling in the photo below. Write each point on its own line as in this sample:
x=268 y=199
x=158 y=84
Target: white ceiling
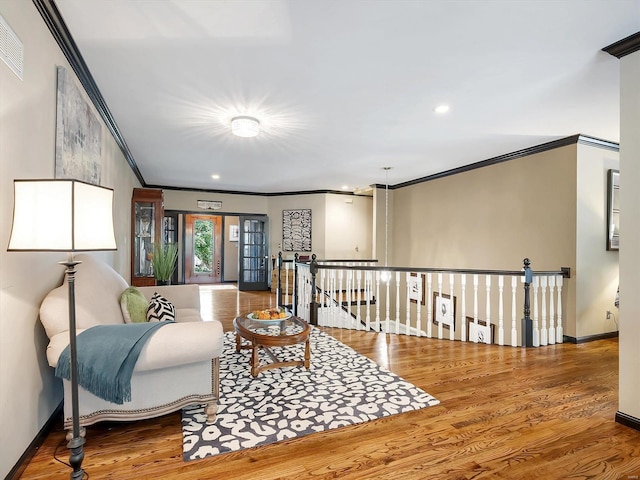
x=343 y=88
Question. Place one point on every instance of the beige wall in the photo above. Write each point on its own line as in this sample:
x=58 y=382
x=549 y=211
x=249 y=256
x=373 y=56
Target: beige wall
x=630 y=235
x=492 y=218
x=331 y=216
x=230 y=271
x=29 y=392
x=316 y=202
x=348 y=227
x=596 y=273
x=231 y=204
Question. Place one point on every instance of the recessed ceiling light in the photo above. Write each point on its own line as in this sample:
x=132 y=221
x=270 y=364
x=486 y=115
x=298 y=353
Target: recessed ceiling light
x=345 y=187
x=441 y=109
x=244 y=126
x=215 y=176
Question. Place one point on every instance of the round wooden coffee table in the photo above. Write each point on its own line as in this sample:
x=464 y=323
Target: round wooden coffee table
x=272 y=333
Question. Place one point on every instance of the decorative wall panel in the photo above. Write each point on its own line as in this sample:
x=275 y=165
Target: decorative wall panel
x=296 y=230
x=78 y=133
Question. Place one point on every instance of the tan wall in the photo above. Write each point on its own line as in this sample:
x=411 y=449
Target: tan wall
x=230 y=271
x=348 y=227
x=330 y=217
x=630 y=235
x=187 y=201
x=29 y=392
x=596 y=273
x=493 y=218
x=316 y=202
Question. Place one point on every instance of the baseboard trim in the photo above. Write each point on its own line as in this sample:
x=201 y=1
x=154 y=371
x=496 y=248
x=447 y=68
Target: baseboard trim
x=590 y=338
x=36 y=443
x=628 y=420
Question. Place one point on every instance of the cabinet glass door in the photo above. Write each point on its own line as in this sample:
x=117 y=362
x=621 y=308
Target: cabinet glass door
x=144 y=236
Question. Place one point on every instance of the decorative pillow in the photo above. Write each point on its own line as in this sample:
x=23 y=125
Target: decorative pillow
x=133 y=305
x=160 y=309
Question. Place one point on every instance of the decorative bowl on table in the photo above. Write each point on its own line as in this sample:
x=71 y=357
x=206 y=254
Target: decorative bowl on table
x=269 y=315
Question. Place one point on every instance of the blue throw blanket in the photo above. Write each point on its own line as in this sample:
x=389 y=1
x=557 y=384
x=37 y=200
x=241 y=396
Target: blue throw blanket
x=107 y=355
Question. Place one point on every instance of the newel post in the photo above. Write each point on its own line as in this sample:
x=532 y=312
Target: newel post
x=527 y=323
x=295 y=284
x=313 y=306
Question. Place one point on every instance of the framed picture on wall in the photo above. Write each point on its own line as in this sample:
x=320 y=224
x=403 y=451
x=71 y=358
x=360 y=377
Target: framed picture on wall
x=480 y=332
x=444 y=310
x=416 y=288
x=296 y=230
x=234 y=233
x=613 y=210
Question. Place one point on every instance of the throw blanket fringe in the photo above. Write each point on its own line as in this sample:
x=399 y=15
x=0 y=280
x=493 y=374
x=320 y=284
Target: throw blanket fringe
x=107 y=355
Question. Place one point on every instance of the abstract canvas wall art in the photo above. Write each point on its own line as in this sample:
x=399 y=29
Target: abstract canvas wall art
x=78 y=133
x=296 y=230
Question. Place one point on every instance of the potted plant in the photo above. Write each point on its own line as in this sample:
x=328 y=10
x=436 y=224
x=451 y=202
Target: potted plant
x=164 y=262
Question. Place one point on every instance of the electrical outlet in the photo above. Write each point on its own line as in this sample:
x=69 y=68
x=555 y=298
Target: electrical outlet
x=608 y=314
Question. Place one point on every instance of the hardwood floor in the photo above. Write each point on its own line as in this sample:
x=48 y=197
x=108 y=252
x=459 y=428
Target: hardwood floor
x=508 y=413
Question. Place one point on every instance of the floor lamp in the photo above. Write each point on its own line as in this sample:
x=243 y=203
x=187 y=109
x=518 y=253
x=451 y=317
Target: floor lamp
x=64 y=216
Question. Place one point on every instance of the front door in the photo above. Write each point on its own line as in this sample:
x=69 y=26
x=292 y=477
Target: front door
x=203 y=249
x=253 y=258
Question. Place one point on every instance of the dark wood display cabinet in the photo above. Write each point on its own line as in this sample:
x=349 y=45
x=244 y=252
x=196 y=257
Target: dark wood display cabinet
x=147 y=213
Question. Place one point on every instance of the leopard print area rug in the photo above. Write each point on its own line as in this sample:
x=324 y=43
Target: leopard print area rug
x=341 y=388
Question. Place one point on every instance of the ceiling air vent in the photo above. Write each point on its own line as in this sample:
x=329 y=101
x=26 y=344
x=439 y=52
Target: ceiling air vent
x=11 y=48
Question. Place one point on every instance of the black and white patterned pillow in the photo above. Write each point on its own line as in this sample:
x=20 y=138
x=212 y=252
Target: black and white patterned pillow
x=160 y=309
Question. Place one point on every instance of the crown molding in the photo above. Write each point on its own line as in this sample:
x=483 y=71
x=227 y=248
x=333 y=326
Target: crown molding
x=625 y=46
x=259 y=194
x=561 y=142
x=52 y=17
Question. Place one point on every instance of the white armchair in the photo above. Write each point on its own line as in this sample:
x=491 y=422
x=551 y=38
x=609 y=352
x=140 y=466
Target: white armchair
x=177 y=367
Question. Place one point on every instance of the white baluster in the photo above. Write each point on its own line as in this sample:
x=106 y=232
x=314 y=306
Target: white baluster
x=397 y=319
x=387 y=319
x=347 y=294
x=418 y=306
x=488 y=306
x=543 y=331
x=439 y=301
x=463 y=310
x=501 y=310
x=514 y=329
x=552 y=312
x=367 y=296
x=536 y=329
x=339 y=298
x=408 y=304
x=377 y=278
x=358 y=298
x=429 y=306
x=452 y=331
x=559 y=331
x=475 y=303
x=332 y=297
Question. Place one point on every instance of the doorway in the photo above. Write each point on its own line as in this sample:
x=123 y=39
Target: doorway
x=203 y=248
x=254 y=235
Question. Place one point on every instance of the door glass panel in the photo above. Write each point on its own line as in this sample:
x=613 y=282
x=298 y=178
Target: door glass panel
x=254 y=253
x=203 y=247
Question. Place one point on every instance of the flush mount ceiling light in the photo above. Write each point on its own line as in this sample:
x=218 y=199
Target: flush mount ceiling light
x=244 y=126
x=441 y=109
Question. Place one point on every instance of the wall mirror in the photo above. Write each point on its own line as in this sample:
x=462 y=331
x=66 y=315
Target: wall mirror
x=613 y=210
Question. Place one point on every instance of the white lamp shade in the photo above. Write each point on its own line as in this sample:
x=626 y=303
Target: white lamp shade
x=61 y=215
